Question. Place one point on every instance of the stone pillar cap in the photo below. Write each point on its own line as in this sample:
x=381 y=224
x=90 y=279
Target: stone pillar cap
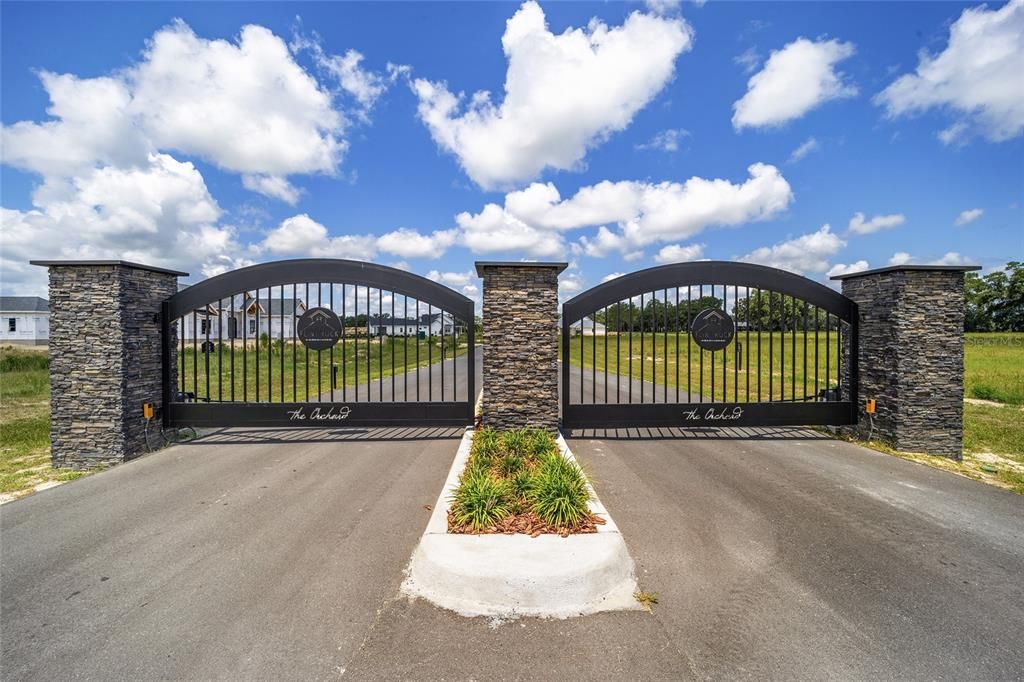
x=122 y=263
x=481 y=264
x=896 y=268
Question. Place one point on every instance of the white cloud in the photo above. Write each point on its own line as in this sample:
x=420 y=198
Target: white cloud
x=808 y=146
x=531 y=219
x=806 y=253
x=272 y=186
x=950 y=258
x=858 y=225
x=977 y=78
x=900 y=258
x=968 y=216
x=411 y=244
x=842 y=269
x=610 y=276
x=749 y=59
x=160 y=214
x=665 y=141
x=796 y=79
x=663 y=6
x=464 y=282
x=675 y=253
x=301 y=236
x=570 y=283
x=563 y=94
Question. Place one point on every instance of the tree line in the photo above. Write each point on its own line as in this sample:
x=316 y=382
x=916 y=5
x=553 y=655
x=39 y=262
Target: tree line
x=995 y=302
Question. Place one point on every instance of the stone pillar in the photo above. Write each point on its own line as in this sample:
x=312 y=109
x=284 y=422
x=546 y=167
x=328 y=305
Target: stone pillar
x=521 y=335
x=910 y=355
x=105 y=357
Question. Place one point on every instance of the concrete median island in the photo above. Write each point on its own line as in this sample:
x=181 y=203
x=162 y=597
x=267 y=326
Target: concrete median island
x=503 y=539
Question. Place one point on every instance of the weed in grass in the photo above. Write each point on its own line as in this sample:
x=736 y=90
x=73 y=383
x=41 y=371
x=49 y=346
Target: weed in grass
x=559 y=493
x=481 y=500
x=646 y=599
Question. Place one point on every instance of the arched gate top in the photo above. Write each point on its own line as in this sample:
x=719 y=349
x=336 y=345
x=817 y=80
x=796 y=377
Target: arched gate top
x=325 y=270
x=726 y=273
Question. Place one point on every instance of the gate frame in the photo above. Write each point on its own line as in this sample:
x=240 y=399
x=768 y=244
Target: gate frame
x=724 y=273
x=323 y=270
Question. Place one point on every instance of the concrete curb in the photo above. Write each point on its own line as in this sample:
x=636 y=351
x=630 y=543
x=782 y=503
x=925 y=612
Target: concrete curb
x=507 y=576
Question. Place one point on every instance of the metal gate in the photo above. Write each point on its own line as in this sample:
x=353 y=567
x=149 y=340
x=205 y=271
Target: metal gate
x=318 y=342
x=708 y=344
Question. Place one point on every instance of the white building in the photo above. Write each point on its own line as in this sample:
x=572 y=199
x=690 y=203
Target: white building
x=436 y=324
x=24 y=320
x=588 y=327
x=244 y=317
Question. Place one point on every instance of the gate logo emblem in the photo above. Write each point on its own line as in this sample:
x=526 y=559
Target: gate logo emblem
x=712 y=329
x=318 y=329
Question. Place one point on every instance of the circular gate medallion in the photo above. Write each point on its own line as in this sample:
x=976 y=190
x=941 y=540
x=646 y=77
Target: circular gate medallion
x=712 y=329
x=318 y=329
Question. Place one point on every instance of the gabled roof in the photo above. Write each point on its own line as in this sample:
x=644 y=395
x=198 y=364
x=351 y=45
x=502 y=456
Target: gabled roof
x=24 y=304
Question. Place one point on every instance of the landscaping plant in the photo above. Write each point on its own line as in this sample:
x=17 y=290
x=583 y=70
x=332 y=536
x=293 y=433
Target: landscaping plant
x=518 y=481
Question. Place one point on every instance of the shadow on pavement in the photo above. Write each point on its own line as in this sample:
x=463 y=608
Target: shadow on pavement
x=702 y=433
x=271 y=435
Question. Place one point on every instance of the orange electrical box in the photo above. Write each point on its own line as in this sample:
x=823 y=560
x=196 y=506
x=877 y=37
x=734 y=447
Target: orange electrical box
x=147 y=410
x=869 y=407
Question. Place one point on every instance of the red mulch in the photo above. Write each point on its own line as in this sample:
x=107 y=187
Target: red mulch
x=530 y=524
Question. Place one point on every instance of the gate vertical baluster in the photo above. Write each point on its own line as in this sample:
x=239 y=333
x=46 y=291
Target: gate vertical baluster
x=391 y=338
x=805 y=351
x=319 y=353
x=295 y=342
x=792 y=381
x=455 y=361
x=245 y=345
x=828 y=355
x=747 y=363
x=711 y=369
x=206 y=353
x=700 y=383
x=417 y=315
x=772 y=301
x=664 y=343
x=330 y=374
x=735 y=364
x=281 y=336
x=380 y=344
x=605 y=317
x=689 y=344
x=582 y=360
x=618 y=353
x=782 y=347
x=677 y=344
x=369 y=363
x=760 y=320
x=233 y=332
x=405 y=348
x=593 y=373
x=430 y=354
x=220 y=351
x=195 y=356
x=641 y=349
x=305 y=349
x=344 y=347
x=629 y=384
x=270 y=344
x=355 y=342
x=817 y=324
x=839 y=357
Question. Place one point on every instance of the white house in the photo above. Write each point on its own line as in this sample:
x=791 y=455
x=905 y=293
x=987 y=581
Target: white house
x=588 y=327
x=24 y=320
x=436 y=324
x=243 y=317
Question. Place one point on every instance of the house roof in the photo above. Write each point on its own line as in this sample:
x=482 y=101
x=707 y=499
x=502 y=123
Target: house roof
x=393 y=321
x=24 y=304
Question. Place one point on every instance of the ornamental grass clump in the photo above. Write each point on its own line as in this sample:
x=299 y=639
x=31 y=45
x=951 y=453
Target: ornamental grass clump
x=518 y=482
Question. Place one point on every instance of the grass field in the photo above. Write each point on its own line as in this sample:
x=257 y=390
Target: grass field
x=283 y=373
x=720 y=374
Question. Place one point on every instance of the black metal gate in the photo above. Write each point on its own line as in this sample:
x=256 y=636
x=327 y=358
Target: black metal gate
x=318 y=342
x=708 y=344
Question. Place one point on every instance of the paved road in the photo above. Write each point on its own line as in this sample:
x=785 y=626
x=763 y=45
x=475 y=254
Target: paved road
x=255 y=555
x=441 y=380
x=587 y=387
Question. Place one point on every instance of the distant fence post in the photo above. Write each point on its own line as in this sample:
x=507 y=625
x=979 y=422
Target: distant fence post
x=105 y=357
x=520 y=377
x=910 y=352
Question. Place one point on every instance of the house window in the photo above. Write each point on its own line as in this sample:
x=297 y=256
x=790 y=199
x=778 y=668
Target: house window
x=204 y=326
x=252 y=326
x=12 y=324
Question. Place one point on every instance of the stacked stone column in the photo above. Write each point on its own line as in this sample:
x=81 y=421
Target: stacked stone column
x=105 y=357
x=521 y=336
x=910 y=356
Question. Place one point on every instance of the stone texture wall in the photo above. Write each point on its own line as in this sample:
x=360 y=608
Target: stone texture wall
x=911 y=358
x=105 y=360
x=521 y=355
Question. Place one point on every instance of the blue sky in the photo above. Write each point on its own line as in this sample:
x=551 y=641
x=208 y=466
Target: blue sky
x=174 y=135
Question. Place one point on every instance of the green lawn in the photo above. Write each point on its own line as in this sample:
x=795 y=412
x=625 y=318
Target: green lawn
x=722 y=374
x=994 y=367
x=283 y=373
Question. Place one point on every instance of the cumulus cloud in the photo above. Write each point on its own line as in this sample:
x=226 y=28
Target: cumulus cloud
x=900 y=258
x=806 y=253
x=300 y=235
x=843 y=269
x=563 y=94
x=808 y=146
x=950 y=258
x=610 y=276
x=796 y=79
x=665 y=141
x=408 y=243
x=464 y=282
x=859 y=225
x=160 y=213
x=968 y=216
x=533 y=219
x=675 y=253
x=749 y=59
x=977 y=78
